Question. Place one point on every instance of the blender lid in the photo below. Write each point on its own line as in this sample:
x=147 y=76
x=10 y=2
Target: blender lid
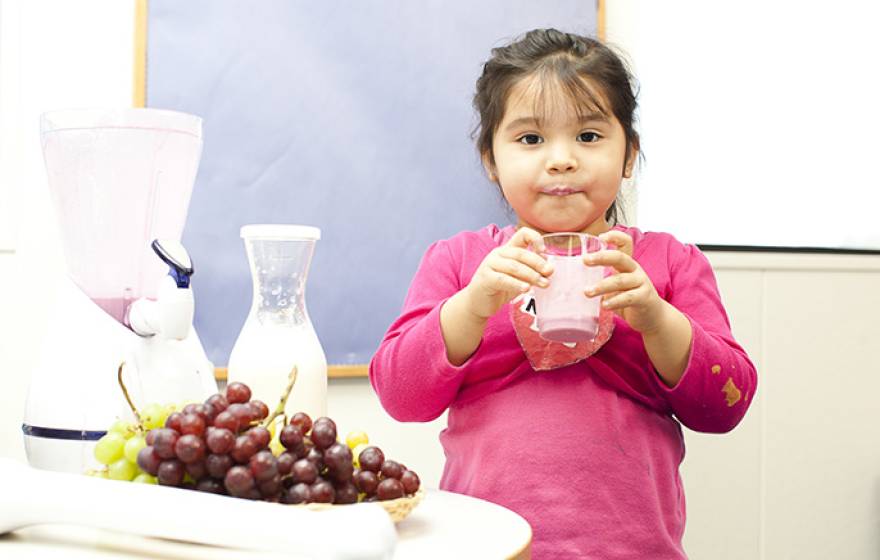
x=148 y=118
x=280 y=231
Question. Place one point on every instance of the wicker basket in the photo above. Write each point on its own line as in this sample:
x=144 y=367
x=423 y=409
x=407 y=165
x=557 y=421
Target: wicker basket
x=397 y=509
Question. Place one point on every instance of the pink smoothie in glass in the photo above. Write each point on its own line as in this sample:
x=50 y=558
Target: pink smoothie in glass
x=564 y=313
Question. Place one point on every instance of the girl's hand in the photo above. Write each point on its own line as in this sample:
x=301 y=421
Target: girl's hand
x=507 y=272
x=629 y=292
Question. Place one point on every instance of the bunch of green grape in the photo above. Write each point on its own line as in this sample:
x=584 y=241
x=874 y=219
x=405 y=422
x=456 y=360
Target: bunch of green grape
x=118 y=450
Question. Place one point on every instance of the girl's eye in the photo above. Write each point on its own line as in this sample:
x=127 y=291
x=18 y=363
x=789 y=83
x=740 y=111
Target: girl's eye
x=530 y=139
x=588 y=137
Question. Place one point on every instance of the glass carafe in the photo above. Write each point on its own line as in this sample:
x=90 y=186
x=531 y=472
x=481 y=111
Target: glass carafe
x=277 y=333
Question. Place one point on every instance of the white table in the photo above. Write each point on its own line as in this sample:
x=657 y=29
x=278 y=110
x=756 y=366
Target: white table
x=443 y=525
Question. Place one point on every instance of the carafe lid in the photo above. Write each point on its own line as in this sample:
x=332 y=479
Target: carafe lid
x=280 y=232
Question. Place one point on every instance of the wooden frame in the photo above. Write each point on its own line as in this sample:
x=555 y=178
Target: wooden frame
x=139 y=86
x=333 y=372
x=139 y=99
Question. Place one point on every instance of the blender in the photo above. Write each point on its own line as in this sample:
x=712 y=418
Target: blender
x=278 y=334
x=120 y=182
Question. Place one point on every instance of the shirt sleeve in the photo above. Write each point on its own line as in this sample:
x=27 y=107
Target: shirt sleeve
x=410 y=371
x=720 y=380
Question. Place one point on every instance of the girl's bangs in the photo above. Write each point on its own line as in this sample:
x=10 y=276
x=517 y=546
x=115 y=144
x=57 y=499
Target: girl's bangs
x=557 y=91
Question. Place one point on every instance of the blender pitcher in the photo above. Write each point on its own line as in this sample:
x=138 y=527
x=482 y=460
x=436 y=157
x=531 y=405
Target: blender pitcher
x=277 y=333
x=119 y=178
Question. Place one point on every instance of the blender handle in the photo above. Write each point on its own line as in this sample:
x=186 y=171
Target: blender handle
x=172 y=312
x=175 y=256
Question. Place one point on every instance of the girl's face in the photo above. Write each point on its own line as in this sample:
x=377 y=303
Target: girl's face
x=558 y=171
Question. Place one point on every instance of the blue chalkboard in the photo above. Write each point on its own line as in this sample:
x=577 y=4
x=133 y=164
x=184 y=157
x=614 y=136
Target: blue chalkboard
x=354 y=117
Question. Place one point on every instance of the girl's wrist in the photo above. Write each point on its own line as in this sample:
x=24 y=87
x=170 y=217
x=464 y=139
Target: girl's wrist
x=665 y=317
x=668 y=344
x=468 y=306
x=462 y=329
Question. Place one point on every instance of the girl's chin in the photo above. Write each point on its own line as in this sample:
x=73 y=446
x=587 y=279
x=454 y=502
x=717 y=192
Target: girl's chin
x=549 y=230
x=559 y=226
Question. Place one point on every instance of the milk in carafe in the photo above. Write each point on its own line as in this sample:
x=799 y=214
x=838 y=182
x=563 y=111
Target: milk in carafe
x=278 y=334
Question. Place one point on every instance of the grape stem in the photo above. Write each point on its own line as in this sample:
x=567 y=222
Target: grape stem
x=137 y=416
x=279 y=410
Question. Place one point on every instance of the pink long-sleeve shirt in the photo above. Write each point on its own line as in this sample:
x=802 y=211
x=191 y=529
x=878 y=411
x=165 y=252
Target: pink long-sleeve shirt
x=587 y=453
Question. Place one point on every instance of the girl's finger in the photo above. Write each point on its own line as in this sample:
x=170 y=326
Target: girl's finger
x=619 y=301
x=524 y=237
x=622 y=300
x=505 y=283
x=618 y=260
x=519 y=271
x=615 y=283
x=620 y=240
x=528 y=258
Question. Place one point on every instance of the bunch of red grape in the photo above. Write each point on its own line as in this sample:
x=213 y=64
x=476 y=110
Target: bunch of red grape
x=219 y=446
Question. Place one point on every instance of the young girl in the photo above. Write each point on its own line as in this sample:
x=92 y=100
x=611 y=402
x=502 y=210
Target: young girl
x=583 y=440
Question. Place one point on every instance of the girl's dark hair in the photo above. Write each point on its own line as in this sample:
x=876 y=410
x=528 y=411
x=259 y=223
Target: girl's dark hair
x=576 y=63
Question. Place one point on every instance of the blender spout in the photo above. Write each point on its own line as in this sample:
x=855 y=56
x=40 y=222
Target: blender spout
x=171 y=314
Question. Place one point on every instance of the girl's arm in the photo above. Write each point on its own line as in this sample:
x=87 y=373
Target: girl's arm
x=410 y=372
x=719 y=380
x=462 y=328
x=706 y=376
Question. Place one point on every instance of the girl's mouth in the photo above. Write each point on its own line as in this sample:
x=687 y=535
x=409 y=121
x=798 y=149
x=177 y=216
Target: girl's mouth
x=559 y=190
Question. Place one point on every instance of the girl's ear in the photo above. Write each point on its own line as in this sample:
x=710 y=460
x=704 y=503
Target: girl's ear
x=489 y=167
x=630 y=163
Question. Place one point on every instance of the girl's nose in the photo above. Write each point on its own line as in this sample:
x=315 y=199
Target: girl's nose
x=561 y=161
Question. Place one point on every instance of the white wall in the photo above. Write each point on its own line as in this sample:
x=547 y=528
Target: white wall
x=749 y=107
x=10 y=148
x=12 y=399
x=800 y=478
